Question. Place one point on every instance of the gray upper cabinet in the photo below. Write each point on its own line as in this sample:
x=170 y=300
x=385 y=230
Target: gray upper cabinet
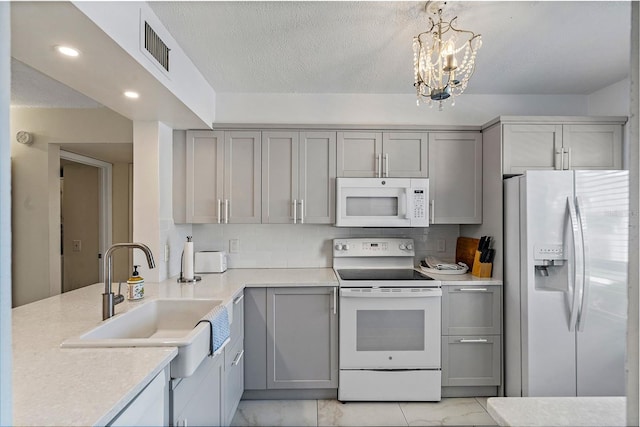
x=205 y=174
x=223 y=177
x=592 y=146
x=404 y=154
x=298 y=177
x=302 y=338
x=359 y=154
x=455 y=178
x=382 y=154
x=242 y=177
x=561 y=146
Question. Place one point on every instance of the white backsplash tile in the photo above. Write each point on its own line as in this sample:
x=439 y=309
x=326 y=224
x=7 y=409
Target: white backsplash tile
x=308 y=245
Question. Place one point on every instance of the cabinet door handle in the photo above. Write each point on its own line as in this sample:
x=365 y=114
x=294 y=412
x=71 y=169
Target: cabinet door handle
x=559 y=159
x=301 y=211
x=432 y=214
x=471 y=290
x=219 y=204
x=295 y=211
x=474 y=340
x=226 y=211
x=568 y=153
x=237 y=359
x=378 y=166
x=238 y=299
x=385 y=173
x=335 y=300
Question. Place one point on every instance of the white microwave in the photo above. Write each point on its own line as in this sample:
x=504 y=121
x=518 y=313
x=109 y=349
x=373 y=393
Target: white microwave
x=382 y=202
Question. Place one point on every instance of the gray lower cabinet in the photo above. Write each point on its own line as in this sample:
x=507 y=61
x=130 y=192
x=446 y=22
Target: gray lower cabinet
x=292 y=338
x=471 y=335
x=210 y=396
x=197 y=400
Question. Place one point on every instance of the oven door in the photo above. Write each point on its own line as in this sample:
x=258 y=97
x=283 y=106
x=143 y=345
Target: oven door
x=390 y=328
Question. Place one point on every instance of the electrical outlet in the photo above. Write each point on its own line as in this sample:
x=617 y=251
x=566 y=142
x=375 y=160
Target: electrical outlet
x=77 y=245
x=442 y=245
x=166 y=252
x=234 y=246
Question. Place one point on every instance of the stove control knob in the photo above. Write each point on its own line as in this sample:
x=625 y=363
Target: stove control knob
x=338 y=246
x=409 y=247
x=345 y=247
x=402 y=247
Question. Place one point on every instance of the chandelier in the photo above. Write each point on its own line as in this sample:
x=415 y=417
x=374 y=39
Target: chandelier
x=443 y=60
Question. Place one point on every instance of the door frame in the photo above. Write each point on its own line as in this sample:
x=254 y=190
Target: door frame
x=104 y=206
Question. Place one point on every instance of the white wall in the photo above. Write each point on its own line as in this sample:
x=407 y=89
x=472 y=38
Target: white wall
x=121 y=21
x=389 y=109
x=612 y=100
x=308 y=246
x=153 y=202
x=5 y=218
x=36 y=189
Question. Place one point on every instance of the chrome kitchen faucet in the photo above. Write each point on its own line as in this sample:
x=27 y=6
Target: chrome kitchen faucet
x=109 y=300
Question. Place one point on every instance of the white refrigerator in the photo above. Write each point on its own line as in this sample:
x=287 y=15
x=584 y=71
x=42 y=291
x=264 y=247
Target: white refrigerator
x=565 y=284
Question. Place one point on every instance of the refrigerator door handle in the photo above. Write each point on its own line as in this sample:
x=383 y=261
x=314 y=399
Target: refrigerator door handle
x=578 y=266
x=584 y=291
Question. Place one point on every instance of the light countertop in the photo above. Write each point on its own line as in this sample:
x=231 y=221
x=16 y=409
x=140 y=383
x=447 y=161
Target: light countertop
x=558 y=411
x=55 y=386
x=467 y=278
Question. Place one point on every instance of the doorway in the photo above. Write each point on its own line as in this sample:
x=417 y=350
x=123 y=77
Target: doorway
x=85 y=219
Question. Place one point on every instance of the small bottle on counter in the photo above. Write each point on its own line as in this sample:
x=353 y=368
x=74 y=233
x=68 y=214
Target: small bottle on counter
x=135 y=285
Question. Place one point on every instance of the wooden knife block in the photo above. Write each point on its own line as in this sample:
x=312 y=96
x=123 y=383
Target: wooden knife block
x=481 y=269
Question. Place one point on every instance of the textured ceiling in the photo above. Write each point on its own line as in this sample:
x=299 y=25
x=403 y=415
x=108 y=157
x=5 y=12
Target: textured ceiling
x=544 y=47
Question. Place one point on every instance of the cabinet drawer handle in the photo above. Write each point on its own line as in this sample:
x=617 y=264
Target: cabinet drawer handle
x=236 y=360
x=301 y=211
x=238 y=299
x=226 y=211
x=475 y=340
x=219 y=211
x=472 y=290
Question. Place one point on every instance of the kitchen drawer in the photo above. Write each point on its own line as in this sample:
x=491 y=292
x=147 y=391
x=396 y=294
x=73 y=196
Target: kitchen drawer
x=234 y=379
x=471 y=360
x=471 y=310
x=237 y=318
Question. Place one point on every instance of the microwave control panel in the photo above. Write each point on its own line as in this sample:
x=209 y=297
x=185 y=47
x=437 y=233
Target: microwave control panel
x=419 y=204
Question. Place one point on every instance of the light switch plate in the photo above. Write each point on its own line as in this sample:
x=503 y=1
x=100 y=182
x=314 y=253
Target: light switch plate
x=234 y=246
x=77 y=245
x=442 y=245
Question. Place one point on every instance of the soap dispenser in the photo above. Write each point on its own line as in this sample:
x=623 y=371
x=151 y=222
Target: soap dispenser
x=135 y=285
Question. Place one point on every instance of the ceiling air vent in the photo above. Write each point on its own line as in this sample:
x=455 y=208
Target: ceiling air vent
x=156 y=47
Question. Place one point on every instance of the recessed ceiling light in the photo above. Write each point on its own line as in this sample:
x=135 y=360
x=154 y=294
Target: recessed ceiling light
x=131 y=94
x=68 y=51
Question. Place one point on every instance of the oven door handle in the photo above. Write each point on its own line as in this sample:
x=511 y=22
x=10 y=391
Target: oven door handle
x=431 y=293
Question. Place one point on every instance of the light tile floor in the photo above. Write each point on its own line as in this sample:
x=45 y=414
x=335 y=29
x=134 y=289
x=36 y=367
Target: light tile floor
x=450 y=411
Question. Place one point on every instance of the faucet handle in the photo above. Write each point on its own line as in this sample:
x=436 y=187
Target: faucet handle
x=117 y=299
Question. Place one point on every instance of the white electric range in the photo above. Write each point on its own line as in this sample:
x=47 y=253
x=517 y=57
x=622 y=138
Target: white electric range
x=389 y=322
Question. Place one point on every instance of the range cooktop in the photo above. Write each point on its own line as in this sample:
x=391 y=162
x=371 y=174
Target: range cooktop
x=381 y=274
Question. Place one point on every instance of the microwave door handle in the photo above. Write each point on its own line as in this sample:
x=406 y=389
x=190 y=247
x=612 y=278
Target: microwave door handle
x=405 y=204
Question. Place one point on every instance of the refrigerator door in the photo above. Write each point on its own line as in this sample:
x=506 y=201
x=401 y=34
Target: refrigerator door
x=546 y=286
x=603 y=207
